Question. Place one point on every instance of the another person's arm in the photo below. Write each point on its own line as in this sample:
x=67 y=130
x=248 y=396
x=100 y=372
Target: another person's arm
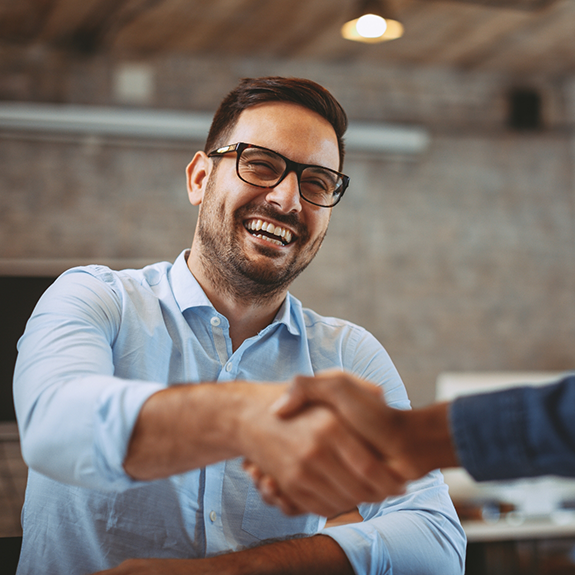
x=412 y=442
x=518 y=432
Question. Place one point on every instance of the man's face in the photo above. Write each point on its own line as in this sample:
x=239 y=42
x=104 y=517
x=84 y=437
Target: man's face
x=236 y=218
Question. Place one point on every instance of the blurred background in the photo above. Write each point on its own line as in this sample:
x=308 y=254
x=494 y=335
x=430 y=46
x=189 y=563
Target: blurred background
x=455 y=244
x=457 y=255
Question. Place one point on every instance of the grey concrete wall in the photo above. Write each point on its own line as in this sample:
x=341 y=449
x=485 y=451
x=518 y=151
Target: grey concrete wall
x=462 y=258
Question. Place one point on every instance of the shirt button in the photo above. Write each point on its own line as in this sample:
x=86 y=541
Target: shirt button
x=228 y=367
x=212 y=516
x=215 y=321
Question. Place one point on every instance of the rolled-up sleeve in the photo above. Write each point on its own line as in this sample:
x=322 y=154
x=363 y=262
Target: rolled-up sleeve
x=416 y=533
x=75 y=416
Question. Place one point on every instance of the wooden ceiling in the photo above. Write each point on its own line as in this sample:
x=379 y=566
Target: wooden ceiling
x=518 y=37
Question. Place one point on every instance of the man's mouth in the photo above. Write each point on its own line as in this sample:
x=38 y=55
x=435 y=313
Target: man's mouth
x=269 y=232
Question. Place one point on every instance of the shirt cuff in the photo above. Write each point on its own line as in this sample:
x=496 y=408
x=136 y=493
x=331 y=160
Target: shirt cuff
x=116 y=414
x=489 y=433
x=364 y=547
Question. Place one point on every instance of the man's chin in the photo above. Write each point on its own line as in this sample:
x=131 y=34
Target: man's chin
x=267 y=271
x=270 y=251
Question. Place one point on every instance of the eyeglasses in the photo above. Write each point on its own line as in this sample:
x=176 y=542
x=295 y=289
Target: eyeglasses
x=265 y=168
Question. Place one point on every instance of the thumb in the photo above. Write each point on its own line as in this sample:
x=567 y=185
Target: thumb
x=294 y=399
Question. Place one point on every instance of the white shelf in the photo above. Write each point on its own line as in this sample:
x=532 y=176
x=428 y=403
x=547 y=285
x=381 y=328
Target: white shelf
x=374 y=137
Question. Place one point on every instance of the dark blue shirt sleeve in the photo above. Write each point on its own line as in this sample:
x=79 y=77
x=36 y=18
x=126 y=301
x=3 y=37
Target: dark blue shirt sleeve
x=517 y=432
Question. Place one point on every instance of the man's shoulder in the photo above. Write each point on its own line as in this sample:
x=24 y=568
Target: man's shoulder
x=315 y=322
x=148 y=276
x=336 y=343
x=313 y=318
x=100 y=287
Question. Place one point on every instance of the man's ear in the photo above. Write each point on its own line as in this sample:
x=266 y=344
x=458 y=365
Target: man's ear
x=197 y=176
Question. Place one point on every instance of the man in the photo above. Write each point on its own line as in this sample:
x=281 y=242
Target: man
x=133 y=396
x=508 y=434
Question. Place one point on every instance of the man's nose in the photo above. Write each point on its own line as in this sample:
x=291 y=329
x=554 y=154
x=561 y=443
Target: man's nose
x=286 y=194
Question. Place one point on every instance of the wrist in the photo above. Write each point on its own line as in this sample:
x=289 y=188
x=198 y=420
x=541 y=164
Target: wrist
x=430 y=444
x=232 y=413
x=252 y=416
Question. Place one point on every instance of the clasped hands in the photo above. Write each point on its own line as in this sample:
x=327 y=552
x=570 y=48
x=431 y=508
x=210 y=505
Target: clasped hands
x=363 y=454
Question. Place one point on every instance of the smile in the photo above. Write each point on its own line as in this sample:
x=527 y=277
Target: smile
x=269 y=232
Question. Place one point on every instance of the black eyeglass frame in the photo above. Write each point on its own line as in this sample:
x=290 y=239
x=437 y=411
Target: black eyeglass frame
x=291 y=166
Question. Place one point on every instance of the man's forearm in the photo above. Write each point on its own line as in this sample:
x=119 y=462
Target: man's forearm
x=185 y=427
x=317 y=555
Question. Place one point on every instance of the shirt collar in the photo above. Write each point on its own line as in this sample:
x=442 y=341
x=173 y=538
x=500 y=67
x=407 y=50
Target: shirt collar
x=185 y=287
x=290 y=314
x=189 y=294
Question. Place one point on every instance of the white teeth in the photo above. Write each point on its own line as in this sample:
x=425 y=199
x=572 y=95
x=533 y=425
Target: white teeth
x=256 y=225
x=276 y=242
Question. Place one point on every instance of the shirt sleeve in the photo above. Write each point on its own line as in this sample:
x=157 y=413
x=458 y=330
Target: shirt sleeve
x=418 y=532
x=517 y=432
x=64 y=382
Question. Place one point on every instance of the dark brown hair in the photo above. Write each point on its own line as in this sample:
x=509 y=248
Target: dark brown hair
x=253 y=91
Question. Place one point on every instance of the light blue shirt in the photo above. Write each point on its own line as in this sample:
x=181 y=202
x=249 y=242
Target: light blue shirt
x=98 y=344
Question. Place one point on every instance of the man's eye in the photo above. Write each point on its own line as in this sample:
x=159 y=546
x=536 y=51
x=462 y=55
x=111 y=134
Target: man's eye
x=262 y=167
x=316 y=185
x=261 y=164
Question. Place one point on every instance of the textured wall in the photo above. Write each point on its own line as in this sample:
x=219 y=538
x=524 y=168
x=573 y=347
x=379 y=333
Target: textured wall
x=91 y=197
x=462 y=258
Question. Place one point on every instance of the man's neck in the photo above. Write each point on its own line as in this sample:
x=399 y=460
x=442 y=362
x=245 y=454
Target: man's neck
x=247 y=317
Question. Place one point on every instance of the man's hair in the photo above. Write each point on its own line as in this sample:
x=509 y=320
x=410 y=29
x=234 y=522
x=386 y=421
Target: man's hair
x=253 y=91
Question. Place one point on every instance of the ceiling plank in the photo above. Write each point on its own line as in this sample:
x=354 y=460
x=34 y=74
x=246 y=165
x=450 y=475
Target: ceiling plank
x=524 y=42
x=502 y=36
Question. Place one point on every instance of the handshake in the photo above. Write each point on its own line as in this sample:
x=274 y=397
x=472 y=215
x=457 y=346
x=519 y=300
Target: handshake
x=367 y=452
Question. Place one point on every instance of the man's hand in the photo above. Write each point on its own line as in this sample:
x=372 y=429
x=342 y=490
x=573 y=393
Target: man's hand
x=408 y=443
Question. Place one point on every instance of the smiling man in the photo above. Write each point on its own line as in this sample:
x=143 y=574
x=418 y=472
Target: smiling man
x=139 y=393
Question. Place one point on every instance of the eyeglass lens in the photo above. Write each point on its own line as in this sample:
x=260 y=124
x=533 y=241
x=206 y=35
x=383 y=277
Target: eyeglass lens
x=264 y=168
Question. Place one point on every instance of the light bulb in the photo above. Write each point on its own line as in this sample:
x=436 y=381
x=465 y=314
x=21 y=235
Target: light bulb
x=371 y=26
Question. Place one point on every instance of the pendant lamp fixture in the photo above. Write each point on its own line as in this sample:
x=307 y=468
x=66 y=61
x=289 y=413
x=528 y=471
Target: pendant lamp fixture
x=372 y=23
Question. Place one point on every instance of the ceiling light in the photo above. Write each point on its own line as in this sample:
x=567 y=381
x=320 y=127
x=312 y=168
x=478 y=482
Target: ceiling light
x=373 y=23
